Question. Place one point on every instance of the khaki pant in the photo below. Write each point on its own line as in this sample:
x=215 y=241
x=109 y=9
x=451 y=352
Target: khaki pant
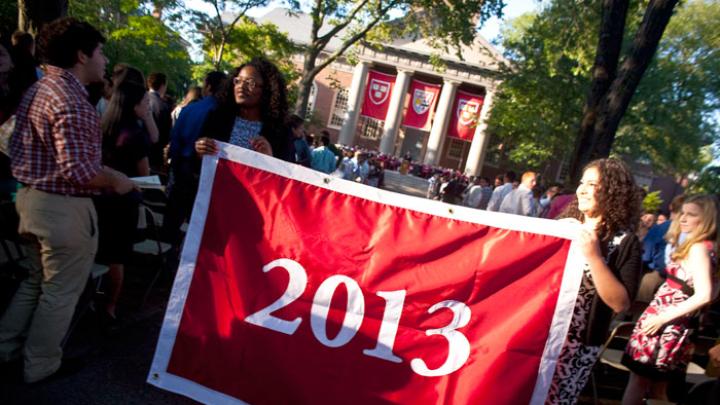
x=62 y=231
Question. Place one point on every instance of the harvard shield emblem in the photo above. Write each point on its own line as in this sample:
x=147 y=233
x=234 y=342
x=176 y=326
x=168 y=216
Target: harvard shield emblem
x=422 y=100
x=379 y=91
x=467 y=112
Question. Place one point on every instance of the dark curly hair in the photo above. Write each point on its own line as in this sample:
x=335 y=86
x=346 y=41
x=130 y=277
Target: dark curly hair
x=617 y=196
x=273 y=102
x=59 y=41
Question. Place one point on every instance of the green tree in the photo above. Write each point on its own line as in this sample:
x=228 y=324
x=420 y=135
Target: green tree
x=446 y=23
x=707 y=181
x=248 y=40
x=614 y=82
x=138 y=38
x=536 y=110
x=218 y=27
x=673 y=116
x=536 y=115
x=8 y=17
x=652 y=202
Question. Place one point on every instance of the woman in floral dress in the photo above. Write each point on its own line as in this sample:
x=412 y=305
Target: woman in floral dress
x=608 y=205
x=660 y=348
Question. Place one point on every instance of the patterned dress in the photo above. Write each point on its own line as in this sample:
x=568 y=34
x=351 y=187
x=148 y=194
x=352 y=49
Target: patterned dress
x=576 y=359
x=664 y=356
x=244 y=131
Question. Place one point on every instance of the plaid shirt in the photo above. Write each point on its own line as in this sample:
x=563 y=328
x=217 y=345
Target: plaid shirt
x=56 y=145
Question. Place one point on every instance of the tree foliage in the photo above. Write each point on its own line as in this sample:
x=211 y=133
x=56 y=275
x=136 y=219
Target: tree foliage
x=652 y=202
x=537 y=112
x=248 y=40
x=615 y=79
x=218 y=26
x=673 y=116
x=537 y=109
x=138 y=38
x=707 y=181
x=8 y=18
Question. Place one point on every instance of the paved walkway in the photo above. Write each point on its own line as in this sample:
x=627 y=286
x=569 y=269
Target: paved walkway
x=405 y=184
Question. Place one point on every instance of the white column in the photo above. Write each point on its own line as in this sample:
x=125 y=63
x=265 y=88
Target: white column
x=395 y=110
x=478 y=147
x=355 y=96
x=440 y=123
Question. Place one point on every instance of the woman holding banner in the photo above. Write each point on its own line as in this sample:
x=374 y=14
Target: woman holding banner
x=607 y=204
x=659 y=348
x=252 y=113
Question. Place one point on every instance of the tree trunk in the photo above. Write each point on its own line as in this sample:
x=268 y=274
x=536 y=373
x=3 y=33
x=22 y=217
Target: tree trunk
x=33 y=14
x=612 y=29
x=623 y=87
x=306 y=82
x=605 y=119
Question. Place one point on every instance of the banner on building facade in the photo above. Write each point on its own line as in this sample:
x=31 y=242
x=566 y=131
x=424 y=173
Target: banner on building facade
x=377 y=95
x=465 y=116
x=296 y=287
x=423 y=97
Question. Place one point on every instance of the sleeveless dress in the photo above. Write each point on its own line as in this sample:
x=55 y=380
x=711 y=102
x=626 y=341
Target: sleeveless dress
x=577 y=359
x=666 y=354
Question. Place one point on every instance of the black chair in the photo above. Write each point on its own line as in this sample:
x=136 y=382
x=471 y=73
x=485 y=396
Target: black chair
x=150 y=244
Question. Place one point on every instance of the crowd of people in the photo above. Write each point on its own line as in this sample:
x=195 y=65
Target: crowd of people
x=674 y=254
x=507 y=193
x=73 y=137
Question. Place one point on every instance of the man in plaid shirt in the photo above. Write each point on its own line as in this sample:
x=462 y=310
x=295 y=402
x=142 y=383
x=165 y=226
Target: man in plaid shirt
x=55 y=151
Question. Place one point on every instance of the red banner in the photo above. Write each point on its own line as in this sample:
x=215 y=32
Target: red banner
x=377 y=95
x=423 y=97
x=466 y=112
x=299 y=288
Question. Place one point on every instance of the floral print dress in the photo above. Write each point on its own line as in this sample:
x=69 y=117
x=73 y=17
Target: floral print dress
x=664 y=355
x=577 y=359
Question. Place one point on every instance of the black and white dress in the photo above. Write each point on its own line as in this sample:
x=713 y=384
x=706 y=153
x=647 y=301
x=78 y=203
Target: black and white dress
x=577 y=359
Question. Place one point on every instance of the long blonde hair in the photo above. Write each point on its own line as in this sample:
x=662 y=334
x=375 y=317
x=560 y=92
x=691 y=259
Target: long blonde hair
x=706 y=231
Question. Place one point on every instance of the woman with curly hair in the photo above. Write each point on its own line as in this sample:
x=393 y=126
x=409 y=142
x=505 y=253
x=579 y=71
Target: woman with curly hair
x=607 y=204
x=659 y=348
x=252 y=113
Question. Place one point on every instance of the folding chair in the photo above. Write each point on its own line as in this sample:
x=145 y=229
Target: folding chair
x=86 y=298
x=610 y=356
x=150 y=222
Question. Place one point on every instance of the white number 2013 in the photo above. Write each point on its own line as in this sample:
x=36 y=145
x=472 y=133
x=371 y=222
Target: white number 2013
x=458 y=344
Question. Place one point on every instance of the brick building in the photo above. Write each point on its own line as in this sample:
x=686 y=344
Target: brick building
x=339 y=90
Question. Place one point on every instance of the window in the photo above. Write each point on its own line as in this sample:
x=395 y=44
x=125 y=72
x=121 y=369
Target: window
x=455 y=149
x=370 y=128
x=311 y=101
x=337 y=118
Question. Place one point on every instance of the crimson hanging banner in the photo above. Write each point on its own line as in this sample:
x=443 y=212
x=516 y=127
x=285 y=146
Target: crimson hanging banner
x=423 y=97
x=465 y=115
x=296 y=287
x=377 y=95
